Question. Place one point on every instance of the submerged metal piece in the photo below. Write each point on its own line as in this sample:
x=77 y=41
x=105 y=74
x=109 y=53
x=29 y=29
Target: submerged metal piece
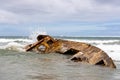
x=79 y=51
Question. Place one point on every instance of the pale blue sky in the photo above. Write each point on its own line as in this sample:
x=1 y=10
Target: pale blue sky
x=60 y=17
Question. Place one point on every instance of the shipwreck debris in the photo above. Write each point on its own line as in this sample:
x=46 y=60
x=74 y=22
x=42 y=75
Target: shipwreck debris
x=79 y=51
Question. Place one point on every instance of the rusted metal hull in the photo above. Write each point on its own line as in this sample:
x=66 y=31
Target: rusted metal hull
x=79 y=51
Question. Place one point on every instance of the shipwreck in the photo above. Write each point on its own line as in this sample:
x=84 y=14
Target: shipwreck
x=79 y=51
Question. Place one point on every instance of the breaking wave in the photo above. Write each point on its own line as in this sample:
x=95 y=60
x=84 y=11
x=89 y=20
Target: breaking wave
x=111 y=46
x=18 y=44
x=14 y=44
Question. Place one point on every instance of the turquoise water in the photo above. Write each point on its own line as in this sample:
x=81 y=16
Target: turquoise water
x=15 y=64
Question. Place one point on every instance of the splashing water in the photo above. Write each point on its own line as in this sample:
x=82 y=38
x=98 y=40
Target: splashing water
x=110 y=45
x=18 y=44
x=37 y=32
x=14 y=44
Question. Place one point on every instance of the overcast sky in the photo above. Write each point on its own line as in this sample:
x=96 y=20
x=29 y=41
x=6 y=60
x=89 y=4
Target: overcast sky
x=60 y=17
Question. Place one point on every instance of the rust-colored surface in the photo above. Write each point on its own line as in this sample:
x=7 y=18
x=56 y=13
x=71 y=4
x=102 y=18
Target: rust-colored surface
x=79 y=51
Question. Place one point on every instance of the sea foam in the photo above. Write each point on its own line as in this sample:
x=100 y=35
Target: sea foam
x=14 y=44
x=111 y=47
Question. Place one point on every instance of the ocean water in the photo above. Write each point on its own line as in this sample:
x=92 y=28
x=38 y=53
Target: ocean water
x=16 y=64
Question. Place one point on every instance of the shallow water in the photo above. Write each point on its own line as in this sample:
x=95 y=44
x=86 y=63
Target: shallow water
x=31 y=66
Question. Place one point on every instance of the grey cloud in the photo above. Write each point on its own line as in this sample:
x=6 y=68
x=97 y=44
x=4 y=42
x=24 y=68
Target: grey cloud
x=58 y=10
x=24 y=7
x=109 y=2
